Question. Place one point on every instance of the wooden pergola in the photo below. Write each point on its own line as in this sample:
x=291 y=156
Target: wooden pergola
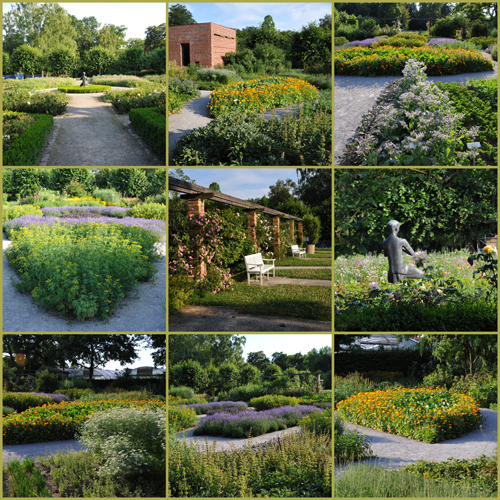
x=196 y=196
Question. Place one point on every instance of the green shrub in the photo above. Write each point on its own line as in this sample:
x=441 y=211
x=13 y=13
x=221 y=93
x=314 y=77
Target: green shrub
x=83 y=269
x=23 y=100
x=494 y=53
x=350 y=446
x=447 y=27
x=26 y=149
x=340 y=40
x=180 y=291
x=14 y=211
x=181 y=418
x=110 y=196
x=7 y=410
x=46 y=381
x=151 y=125
x=222 y=76
x=397 y=41
x=74 y=393
x=177 y=86
x=246 y=392
x=318 y=422
x=148 y=211
x=21 y=401
x=272 y=401
x=181 y=392
x=89 y=89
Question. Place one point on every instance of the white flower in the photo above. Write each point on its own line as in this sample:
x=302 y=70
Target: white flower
x=28 y=102
x=420 y=257
x=374 y=286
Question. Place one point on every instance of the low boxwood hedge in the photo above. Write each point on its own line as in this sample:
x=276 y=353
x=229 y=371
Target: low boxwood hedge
x=151 y=125
x=89 y=89
x=27 y=148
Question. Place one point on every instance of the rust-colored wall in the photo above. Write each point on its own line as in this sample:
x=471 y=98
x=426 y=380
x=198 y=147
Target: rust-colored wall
x=208 y=43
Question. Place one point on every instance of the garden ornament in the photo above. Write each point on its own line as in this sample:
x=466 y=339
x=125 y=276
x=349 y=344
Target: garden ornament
x=84 y=80
x=393 y=249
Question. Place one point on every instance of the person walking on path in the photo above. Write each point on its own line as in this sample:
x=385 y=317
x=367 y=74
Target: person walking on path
x=92 y=133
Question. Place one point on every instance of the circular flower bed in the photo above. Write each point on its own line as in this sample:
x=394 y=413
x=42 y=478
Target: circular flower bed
x=254 y=96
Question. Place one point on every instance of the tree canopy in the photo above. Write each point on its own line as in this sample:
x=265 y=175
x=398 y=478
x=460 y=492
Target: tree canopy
x=179 y=15
x=437 y=208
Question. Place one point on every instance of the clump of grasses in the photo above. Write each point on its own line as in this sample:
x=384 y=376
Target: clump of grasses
x=297 y=465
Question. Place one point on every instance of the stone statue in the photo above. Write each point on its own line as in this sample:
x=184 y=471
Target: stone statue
x=84 y=80
x=393 y=248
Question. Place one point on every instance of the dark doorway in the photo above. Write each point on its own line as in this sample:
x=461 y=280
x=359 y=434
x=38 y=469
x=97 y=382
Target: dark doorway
x=185 y=54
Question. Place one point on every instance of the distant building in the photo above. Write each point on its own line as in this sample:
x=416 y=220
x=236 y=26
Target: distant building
x=98 y=374
x=146 y=371
x=376 y=340
x=204 y=43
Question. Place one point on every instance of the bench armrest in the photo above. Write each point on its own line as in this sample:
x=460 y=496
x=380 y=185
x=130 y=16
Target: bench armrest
x=270 y=259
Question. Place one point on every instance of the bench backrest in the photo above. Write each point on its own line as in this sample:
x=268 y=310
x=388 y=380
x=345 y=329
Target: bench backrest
x=295 y=247
x=253 y=260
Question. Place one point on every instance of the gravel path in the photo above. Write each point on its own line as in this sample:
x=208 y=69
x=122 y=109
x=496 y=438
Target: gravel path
x=395 y=452
x=354 y=96
x=92 y=133
x=22 y=451
x=229 y=319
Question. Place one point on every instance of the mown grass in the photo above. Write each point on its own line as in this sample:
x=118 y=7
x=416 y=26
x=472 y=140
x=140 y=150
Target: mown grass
x=293 y=301
x=305 y=274
x=316 y=261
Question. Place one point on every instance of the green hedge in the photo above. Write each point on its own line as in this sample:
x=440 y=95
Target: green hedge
x=26 y=150
x=151 y=125
x=89 y=89
x=21 y=401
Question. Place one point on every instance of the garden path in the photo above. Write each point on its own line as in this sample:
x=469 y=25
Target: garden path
x=92 y=133
x=22 y=451
x=142 y=311
x=229 y=319
x=354 y=96
x=395 y=452
x=228 y=443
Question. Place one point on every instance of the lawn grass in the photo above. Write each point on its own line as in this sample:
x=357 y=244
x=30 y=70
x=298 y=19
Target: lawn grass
x=306 y=274
x=293 y=301
x=297 y=262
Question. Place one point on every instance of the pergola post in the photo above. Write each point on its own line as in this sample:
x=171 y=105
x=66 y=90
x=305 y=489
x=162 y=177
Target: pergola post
x=252 y=228
x=300 y=233
x=292 y=228
x=196 y=208
x=276 y=234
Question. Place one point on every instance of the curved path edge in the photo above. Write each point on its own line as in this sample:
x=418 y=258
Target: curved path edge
x=395 y=452
x=21 y=451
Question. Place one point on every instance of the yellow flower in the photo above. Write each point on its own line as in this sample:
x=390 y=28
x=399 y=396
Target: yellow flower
x=489 y=249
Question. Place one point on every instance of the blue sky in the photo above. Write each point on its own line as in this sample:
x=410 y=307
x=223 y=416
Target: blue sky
x=144 y=359
x=287 y=343
x=286 y=16
x=243 y=183
x=136 y=17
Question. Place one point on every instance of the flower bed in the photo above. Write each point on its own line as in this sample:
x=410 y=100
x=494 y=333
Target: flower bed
x=244 y=424
x=203 y=408
x=428 y=415
x=60 y=421
x=255 y=96
x=368 y=61
x=89 y=89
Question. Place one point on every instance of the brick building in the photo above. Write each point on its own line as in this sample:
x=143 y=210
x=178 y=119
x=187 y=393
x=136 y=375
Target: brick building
x=203 y=43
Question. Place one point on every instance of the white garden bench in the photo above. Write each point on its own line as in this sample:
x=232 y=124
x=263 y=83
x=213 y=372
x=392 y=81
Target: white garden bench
x=255 y=265
x=296 y=250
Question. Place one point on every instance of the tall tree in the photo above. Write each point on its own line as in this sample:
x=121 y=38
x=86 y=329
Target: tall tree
x=39 y=350
x=258 y=359
x=179 y=15
x=281 y=359
x=111 y=37
x=87 y=30
x=281 y=192
x=94 y=351
x=159 y=343
x=206 y=349
x=155 y=37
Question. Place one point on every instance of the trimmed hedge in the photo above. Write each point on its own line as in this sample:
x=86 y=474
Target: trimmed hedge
x=26 y=150
x=89 y=89
x=272 y=401
x=21 y=401
x=151 y=125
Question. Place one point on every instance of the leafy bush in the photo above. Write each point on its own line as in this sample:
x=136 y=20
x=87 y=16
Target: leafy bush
x=84 y=269
x=126 y=100
x=132 y=441
x=222 y=76
x=181 y=392
x=177 y=86
x=350 y=446
x=181 y=418
x=26 y=148
x=22 y=100
x=110 y=196
x=15 y=211
x=339 y=40
x=483 y=42
x=447 y=26
x=7 y=410
x=399 y=41
x=21 y=401
x=148 y=211
x=46 y=381
x=246 y=392
x=249 y=140
x=89 y=89
x=74 y=393
x=318 y=422
x=272 y=401
x=150 y=124
x=494 y=53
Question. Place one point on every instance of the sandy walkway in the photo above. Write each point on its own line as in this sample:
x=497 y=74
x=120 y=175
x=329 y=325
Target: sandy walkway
x=92 y=133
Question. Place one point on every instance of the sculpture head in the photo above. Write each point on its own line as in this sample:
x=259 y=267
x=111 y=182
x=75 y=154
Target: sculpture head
x=393 y=227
